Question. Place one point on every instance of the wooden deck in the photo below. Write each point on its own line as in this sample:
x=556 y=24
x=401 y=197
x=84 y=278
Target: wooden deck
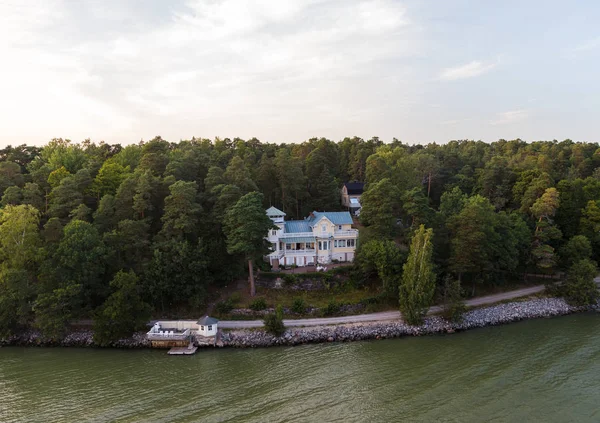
x=189 y=350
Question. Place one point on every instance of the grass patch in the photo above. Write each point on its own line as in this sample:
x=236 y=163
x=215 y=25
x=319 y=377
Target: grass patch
x=317 y=298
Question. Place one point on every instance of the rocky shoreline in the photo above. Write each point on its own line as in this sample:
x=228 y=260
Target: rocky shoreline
x=482 y=317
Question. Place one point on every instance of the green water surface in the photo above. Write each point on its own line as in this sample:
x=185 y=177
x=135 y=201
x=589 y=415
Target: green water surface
x=545 y=370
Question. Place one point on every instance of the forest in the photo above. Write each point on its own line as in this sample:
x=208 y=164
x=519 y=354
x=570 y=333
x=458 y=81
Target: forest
x=122 y=233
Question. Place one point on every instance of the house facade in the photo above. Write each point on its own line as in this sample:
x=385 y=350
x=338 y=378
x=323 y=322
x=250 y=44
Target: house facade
x=351 y=192
x=318 y=239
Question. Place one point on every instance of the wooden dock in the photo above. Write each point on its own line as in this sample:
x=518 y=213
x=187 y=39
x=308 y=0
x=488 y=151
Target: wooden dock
x=189 y=350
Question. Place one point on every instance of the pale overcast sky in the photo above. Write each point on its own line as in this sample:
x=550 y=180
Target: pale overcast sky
x=289 y=70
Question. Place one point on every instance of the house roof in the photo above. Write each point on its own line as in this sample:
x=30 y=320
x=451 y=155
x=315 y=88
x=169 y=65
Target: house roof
x=206 y=320
x=354 y=188
x=292 y=226
x=293 y=239
x=337 y=218
x=272 y=212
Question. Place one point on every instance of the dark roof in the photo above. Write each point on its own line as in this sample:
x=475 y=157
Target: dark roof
x=354 y=188
x=205 y=321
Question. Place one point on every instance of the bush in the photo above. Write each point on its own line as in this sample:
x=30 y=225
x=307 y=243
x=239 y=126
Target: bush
x=258 y=304
x=224 y=307
x=332 y=309
x=299 y=305
x=580 y=288
x=289 y=279
x=274 y=322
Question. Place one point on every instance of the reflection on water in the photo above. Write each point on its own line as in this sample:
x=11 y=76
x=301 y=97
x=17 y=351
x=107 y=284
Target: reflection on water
x=543 y=370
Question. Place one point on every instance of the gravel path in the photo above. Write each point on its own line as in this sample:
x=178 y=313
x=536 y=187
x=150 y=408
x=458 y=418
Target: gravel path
x=384 y=316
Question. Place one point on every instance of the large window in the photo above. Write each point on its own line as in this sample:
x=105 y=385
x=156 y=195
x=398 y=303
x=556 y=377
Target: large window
x=350 y=243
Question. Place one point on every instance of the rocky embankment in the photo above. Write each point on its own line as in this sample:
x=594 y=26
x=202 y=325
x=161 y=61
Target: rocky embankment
x=488 y=316
x=77 y=338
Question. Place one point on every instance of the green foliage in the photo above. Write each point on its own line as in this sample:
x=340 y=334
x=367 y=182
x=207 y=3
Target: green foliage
x=258 y=304
x=123 y=313
x=289 y=279
x=379 y=204
x=298 y=306
x=452 y=301
x=274 y=322
x=246 y=225
x=576 y=249
x=176 y=215
x=224 y=307
x=418 y=278
x=55 y=309
x=332 y=309
x=384 y=260
x=580 y=288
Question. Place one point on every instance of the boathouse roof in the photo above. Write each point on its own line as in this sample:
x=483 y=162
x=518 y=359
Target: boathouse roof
x=207 y=320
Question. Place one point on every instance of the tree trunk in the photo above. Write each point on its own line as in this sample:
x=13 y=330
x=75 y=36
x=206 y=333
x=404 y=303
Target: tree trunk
x=428 y=184
x=251 y=271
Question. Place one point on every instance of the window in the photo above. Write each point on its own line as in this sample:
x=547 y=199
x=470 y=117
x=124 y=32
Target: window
x=201 y=327
x=335 y=243
x=320 y=245
x=210 y=327
x=350 y=243
x=340 y=227
x=274 y=232
x=342 y=243
x=323 y=228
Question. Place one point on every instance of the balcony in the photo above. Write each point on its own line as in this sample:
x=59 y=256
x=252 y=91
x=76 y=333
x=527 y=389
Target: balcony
x=352 y=232
x=300 y=252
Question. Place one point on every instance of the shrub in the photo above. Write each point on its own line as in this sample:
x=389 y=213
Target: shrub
x=274 y=322
x=580 y=288
x=258 y=304
x=299 y=306
x=332 y=309
x=289 y=280
x=224 y=307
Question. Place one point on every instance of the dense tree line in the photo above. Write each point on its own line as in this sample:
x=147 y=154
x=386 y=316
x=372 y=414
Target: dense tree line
x=88 y=229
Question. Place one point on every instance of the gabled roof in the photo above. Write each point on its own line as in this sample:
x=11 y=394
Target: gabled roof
x=337 y=218
x=354 y=188
x=292 y=226
x=273 y=212
x=206 y=320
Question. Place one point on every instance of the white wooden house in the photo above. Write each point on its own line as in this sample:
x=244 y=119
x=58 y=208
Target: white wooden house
x=318 y=239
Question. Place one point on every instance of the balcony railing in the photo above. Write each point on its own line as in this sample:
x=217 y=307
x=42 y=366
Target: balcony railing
x=305 y=251
x=352 y=232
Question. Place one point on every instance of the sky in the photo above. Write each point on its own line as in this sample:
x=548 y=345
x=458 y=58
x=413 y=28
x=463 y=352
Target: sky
x=288 y=70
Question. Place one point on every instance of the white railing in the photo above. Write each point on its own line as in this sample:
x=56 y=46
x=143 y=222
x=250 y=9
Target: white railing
x=166 y=335
x=309 y=251
x=351 y=232
x=296 y=234
x=276 y=254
